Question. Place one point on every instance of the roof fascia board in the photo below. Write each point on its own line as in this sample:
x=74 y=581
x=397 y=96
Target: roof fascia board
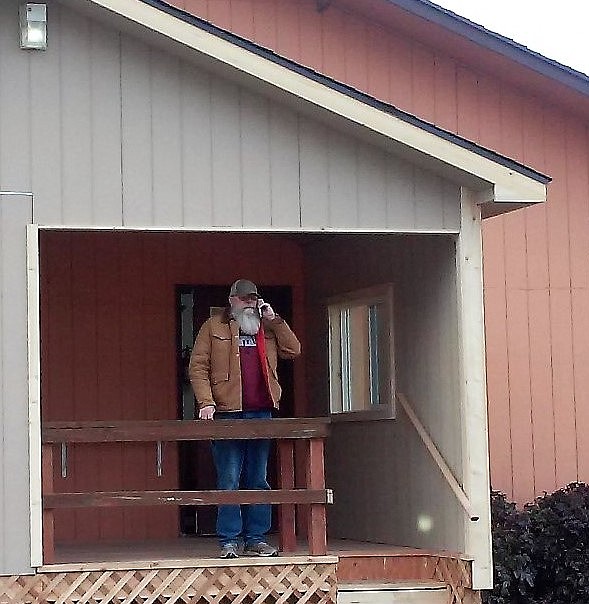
x=496 y=42
x=510 y=185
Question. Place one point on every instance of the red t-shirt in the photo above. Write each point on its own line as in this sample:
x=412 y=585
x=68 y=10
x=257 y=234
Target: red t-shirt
x=254 y=391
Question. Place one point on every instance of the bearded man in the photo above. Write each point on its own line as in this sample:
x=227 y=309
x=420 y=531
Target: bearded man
x=233 y=374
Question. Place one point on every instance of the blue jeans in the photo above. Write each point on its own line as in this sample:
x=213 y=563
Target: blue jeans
x=242 y=463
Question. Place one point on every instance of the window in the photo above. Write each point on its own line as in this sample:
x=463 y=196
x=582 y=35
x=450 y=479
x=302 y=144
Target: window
x=361 y=354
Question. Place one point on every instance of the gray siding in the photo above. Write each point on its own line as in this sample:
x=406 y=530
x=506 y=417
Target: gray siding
x=395 y=481
x=15 y=554
x=108 y=131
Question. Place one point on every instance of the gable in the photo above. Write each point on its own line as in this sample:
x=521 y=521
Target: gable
x=126 y=134
x=496 y=178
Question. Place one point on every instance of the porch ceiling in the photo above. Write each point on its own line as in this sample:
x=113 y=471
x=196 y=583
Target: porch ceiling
x=500 y=184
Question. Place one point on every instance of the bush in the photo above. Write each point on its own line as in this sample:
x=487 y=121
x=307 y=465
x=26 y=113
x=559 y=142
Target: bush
x=514 y=573
x=559 y=528
x=541 y=553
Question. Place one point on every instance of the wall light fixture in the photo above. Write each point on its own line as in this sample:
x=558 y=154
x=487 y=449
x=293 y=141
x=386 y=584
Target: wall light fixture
x=33 y=26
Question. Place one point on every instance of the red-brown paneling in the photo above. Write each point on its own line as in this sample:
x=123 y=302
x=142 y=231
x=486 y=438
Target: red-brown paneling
x=577 y=185
x=541 y=392
x=580 y=305
x=445 y=94
x=264 y=22
x=521 y=114
x=424 y=100
x=108 y=334
x=287 y=30
x=219 y=13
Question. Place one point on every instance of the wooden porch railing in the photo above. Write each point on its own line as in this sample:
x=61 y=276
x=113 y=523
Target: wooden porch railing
x=285 y=431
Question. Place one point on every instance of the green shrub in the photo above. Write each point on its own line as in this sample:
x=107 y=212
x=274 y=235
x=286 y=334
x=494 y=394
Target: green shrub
x=514 y=573
x=559 y=528
x=541 y=553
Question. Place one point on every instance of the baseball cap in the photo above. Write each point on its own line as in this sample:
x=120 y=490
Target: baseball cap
x=243 y=287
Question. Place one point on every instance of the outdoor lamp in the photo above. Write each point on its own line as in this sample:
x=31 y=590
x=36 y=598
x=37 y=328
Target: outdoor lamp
x=33 y=26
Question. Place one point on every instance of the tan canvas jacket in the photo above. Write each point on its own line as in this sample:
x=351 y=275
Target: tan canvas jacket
x=214 y=369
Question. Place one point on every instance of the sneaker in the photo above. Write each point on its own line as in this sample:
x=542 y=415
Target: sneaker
x=260 y=549
x=229 y=550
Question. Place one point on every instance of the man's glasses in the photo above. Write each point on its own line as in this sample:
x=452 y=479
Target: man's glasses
x=248 y=298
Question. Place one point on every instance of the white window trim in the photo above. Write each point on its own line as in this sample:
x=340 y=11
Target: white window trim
x=382 y=294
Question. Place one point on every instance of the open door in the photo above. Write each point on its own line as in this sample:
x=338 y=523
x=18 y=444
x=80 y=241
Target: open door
x=195 y=304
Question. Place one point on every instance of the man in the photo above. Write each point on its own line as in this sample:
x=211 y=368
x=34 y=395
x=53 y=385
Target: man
x=233 y=373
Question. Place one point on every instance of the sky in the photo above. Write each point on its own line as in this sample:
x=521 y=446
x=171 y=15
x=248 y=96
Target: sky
x=557 y=29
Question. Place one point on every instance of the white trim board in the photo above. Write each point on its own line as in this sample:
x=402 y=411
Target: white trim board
x=508 y=186
x=473 y=393
x=34 y=345
x=233 y=229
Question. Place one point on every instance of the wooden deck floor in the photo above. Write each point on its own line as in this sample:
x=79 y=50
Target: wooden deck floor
x=202 y=548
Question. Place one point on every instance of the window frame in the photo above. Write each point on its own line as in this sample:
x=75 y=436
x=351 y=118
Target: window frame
x=370 y=296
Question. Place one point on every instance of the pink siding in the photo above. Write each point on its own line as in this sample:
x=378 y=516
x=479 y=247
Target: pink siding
x=535 y=260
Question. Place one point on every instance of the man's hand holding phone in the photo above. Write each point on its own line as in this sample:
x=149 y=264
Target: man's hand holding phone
x=266 y=311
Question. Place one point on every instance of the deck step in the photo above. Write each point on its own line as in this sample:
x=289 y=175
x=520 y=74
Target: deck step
x=392 y=593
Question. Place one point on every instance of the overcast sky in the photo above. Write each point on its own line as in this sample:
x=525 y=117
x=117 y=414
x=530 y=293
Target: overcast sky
x=557 y=29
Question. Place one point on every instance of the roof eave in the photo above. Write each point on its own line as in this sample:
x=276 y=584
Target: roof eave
x=497 y=43
x=509 y=180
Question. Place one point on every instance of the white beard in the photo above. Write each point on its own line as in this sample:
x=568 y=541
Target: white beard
x=248 y=319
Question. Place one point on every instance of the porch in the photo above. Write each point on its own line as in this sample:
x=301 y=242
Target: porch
x=187 y=569
x=101 y=292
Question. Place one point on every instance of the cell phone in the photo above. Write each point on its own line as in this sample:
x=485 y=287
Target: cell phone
x=261 y=305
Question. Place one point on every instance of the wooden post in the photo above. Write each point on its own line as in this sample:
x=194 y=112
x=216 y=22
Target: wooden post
x=286 y=512
x=317 y=521
x=48 y=518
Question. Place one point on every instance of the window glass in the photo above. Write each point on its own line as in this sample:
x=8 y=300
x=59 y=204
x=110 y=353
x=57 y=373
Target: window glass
x=360 y=350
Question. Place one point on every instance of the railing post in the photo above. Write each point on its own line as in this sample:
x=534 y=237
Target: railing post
x=317 y=522
x=286 y=512
x=48 y=515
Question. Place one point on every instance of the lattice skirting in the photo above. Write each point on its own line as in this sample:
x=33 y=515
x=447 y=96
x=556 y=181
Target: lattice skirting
x=311 y=583
x=457 y=575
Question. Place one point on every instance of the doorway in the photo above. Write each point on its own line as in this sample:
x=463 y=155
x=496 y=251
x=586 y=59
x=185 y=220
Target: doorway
x=194 y=305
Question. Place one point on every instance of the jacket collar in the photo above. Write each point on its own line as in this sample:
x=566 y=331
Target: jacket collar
x=226 y=315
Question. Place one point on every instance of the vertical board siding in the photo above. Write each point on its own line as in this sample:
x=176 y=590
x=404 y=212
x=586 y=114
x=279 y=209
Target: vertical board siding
x=314 y=183
x=343 y=180
x=76 y=118
x=136 y=148
x=256 y=189
x=140 y=137
x=108 y=319
x=166 y=128
x=45 y=119
x=372 y=200
x=106 y=126
x=226 y=165
x=15 y=103
x=285 y=168
x=15 y=542
x=481 y=107
x=197 y=177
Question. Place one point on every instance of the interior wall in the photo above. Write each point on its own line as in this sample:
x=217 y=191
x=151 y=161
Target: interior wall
x=108 y=351
x=408 y=491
